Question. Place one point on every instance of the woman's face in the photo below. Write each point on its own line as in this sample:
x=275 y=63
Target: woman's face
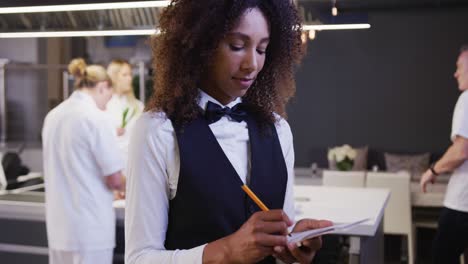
x=239 y=58
x=462 y=71
x=124 y=79
x=103 y=93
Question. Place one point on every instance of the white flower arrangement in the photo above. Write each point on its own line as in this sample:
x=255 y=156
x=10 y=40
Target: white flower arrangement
x=343 y=157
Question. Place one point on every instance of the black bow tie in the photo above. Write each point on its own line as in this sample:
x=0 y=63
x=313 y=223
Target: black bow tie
x=214 y=112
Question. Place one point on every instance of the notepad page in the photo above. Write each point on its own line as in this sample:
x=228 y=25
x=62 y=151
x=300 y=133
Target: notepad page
x=301 y=236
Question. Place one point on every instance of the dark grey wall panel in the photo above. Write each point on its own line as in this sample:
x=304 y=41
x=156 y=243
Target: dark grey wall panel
x=21 y=232
x=390 y=87
x=17 y=258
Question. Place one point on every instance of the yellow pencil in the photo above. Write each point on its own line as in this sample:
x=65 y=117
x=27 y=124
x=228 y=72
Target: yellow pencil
x=254 y=198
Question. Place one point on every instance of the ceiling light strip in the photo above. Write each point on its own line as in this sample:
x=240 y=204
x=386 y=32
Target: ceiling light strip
x=135 y=32
x=82 y=7
x=336 y=26
x=58 y=34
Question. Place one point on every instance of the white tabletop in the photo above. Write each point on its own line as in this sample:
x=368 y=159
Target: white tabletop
x=434 y=197
x=342 y=205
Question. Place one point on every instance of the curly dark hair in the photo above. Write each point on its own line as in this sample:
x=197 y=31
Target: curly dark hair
x=190 y=32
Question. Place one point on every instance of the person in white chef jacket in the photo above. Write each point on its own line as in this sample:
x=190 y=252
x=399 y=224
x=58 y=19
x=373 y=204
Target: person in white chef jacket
x=123 y=100
x=82 y=168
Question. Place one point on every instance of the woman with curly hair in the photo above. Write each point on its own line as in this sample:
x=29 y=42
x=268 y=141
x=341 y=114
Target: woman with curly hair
x=224 y=72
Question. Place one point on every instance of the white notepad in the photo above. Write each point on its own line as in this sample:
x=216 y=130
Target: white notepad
x=301 y=236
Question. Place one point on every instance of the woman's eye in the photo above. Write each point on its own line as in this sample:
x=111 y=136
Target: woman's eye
x=261 y=51
x=235 y=47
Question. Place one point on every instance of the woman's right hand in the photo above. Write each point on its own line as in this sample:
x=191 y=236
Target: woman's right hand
x=254 y=241
x=120 y=131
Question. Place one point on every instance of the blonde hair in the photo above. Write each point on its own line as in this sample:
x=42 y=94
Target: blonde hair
x=113 y=70
x=87 y=76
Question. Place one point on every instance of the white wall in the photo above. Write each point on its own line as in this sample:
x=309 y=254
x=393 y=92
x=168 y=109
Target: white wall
x=99 y=53
x=20 y=50
x=32 y=158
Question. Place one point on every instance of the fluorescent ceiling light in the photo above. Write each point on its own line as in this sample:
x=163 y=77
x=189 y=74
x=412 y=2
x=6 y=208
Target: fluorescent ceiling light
x=58 y=34
x=82 y=7
x=95 y=33
x=335 y=26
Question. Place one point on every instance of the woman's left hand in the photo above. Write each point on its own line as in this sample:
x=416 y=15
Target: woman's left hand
x=306 y=252
x=119 y=195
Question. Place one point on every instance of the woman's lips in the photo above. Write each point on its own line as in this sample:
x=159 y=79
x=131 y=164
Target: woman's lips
x=244 y=82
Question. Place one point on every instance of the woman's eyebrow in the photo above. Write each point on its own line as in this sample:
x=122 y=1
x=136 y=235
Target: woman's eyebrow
x=246 y=37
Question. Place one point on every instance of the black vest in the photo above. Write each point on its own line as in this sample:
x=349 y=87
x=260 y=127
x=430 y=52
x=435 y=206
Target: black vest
x=209 y=203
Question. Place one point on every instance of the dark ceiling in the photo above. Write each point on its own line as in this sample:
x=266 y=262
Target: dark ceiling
x=367 y=5
x=8 y=3
x=312 y=11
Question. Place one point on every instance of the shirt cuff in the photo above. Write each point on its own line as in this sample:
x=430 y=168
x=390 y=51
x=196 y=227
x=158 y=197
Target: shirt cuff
x=109 y=170
x=198 y=253
x=178 y=256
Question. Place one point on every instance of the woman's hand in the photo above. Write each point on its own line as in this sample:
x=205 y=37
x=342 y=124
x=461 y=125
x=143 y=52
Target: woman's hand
x=253 y=242
x=306 y=252
x=120 y=131
x=119 y=195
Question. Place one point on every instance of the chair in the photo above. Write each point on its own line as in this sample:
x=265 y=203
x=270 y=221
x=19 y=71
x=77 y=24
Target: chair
x=3 y=180
x=344 y=178
x=397 y=216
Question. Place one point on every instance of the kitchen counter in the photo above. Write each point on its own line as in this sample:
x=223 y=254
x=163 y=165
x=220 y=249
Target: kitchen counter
x=31 y=206
x=23 y=236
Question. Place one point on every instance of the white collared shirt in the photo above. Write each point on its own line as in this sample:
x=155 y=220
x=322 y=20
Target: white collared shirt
x=153 y=169
x=115 y=109
x=79 y=151
x=456 y=196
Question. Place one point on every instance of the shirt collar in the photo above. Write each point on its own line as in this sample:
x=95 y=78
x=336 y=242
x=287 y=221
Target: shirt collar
x=204 y=98
x=84 y=97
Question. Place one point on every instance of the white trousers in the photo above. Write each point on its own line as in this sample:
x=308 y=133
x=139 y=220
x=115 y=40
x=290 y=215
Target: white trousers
x=81 y=257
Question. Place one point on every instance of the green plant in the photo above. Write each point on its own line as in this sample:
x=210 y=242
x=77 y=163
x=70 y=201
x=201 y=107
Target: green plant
x=124 y=117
